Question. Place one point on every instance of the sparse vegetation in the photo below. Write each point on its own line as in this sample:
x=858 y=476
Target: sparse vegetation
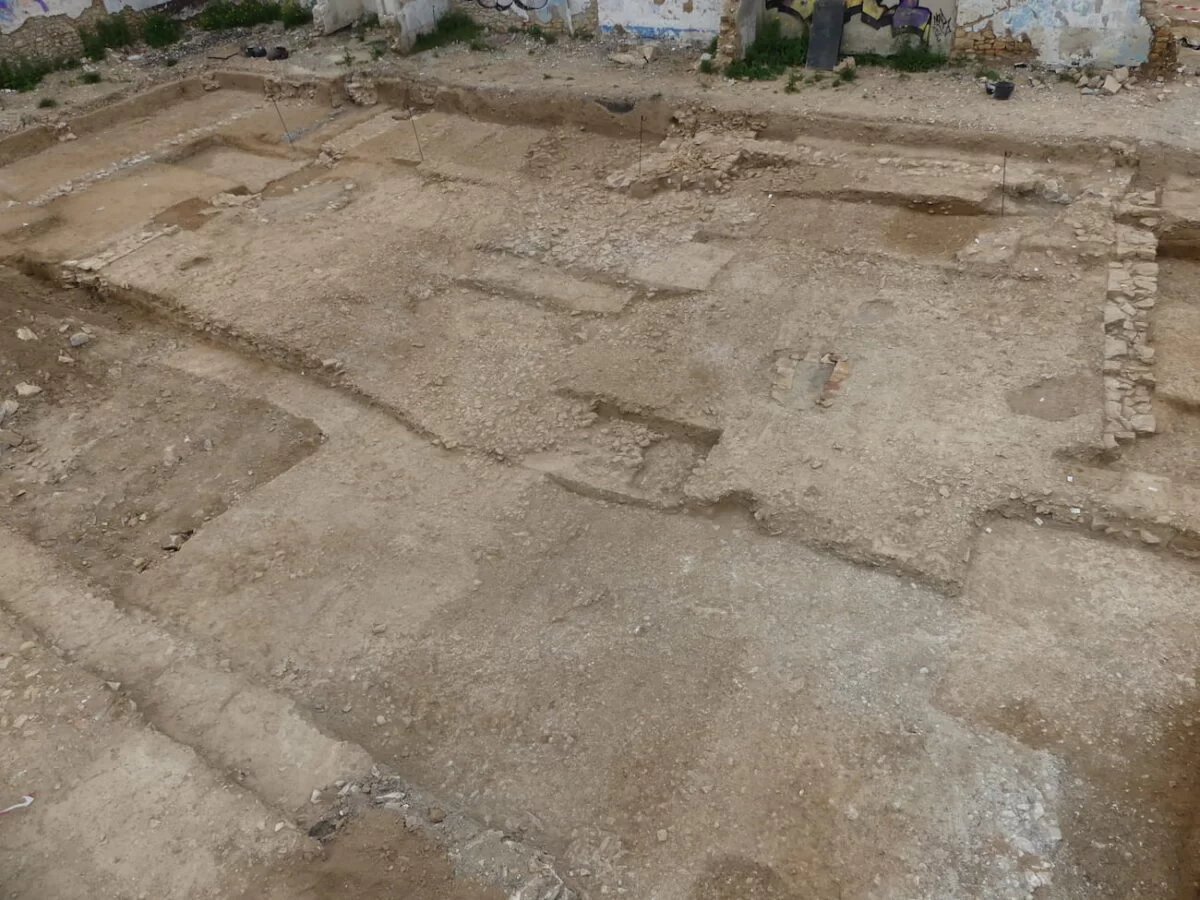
x=910 y=57
x=91 y=78
x=792 y=82
x=24 y=74
x=989 y=74
x=455 y=27
x=47 y=103
x=295 y=15
x=708 y=67
x=771 y=54
x=219 y=15
x=160 y=30
x=479 y=44
x=847 y=75
x=378 y=48
x=539 y=33
x=712 y=47
x=109 y=31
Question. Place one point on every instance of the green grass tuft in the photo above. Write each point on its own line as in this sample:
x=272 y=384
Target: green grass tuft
x=160 y=30
x=219 y=15
x=108 y=31
x=24 y=74
x=771 y=54
x=47 y=103
x=455 y=27
x=911 y=57
x=296 y=15
x=91 y=78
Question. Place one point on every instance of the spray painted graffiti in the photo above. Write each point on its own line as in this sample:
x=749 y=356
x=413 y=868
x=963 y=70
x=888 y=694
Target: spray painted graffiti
x=902 y=16
x=14 y=12
x=943 y=26
x=543 y=11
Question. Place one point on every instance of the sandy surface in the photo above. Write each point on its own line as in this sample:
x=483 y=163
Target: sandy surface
x=744 y=511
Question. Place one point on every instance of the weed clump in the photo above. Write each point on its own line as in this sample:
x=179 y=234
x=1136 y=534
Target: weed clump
x=24 y=74
x=109 y=31
x=455 y=27
x=219 y=15
x=771 y=54
x=160 y=30
x=911 y=57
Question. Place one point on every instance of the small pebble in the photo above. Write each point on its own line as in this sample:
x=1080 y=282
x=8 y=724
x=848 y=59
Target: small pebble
x=79 y=338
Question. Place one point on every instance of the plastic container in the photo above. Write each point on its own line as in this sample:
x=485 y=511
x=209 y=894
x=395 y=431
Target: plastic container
x=1003 y=90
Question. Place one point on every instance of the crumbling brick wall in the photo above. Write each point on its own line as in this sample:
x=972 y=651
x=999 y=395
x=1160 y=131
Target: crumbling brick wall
x=57 y=37
x=49 y=37
x=1164 y=51
x=986 y=42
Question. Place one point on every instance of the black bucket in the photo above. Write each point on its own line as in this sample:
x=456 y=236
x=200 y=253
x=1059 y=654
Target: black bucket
x=1003 y=90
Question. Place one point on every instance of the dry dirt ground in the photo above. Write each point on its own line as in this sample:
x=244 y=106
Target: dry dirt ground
x=461 y=497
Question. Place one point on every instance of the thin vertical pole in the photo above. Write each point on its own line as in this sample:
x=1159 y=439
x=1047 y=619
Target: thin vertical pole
x=286 y=133
x=1003 y=182
x=416 y=137
x=641 y=123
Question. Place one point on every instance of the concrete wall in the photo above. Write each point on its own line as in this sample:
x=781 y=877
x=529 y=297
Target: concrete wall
x=14 y=13
x=1105 y=32
x=334 y=15
x=568 y=16
x=880 y=27
x=687 y=20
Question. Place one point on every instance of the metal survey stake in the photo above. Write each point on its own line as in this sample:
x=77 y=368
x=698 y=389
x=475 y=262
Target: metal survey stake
x=286 y=133
x=641 y=122
x=413 y=121
x=1003 y=182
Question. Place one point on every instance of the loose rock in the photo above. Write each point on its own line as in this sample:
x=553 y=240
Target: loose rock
x=25 y=389
x=79 y=338
x=26 y=334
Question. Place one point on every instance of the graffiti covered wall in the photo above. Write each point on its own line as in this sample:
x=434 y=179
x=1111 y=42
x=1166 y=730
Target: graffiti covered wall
x=686 y=20
x=877 y=26
x=565 y=13
x=14 y=13
x=1104 y=32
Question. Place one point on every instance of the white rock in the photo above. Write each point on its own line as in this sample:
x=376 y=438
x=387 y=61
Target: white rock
x=628 y=59
x=26 y=334
x=1121 y=74
x=1111 y=85
x=1144 y=424
x=25 y=389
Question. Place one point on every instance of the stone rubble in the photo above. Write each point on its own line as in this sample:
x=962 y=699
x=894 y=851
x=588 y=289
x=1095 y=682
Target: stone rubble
x=1132 y=293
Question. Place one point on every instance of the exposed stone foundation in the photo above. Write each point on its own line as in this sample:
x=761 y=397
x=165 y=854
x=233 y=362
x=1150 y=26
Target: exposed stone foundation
x=986 y=42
